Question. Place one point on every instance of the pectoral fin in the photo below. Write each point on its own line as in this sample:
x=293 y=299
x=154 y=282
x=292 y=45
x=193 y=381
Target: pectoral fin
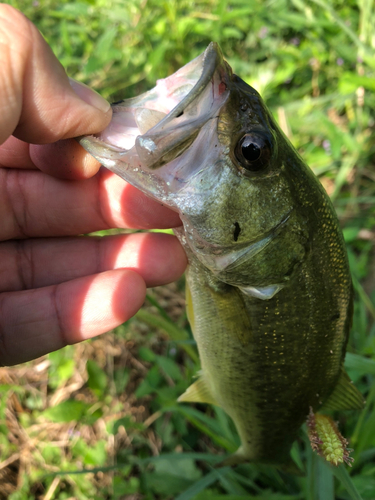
x=345 y=395
x=198 y=392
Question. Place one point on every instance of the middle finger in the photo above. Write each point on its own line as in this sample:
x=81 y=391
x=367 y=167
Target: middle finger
x=36 y=204
x=34 y=263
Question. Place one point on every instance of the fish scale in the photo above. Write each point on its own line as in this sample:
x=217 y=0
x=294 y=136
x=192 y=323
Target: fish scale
x=272 y=366
x=269 y=293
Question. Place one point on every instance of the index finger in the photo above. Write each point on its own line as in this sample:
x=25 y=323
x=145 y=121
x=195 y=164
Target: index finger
x=37 y=101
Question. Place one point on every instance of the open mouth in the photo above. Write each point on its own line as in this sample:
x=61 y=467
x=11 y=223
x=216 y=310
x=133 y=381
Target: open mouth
x=153 y=129
x=168 y=101
x=134 y=117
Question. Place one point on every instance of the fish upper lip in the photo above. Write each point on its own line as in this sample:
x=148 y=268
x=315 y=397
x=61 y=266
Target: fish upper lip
x=211 y=60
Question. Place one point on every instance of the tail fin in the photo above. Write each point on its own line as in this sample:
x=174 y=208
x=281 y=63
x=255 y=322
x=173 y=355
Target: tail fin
x=290 y=467
x=239 y=457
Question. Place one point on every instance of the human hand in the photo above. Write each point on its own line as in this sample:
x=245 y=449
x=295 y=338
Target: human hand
x=57 y=288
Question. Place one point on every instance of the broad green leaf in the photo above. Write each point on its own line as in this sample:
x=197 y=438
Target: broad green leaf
x=67 y=411
x=98 y=380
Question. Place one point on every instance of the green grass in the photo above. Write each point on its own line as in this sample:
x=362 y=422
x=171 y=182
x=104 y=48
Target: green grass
x=100 y=420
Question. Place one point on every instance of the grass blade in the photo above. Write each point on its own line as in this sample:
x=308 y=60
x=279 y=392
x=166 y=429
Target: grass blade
x=174 y=332
x=342 y=475
x=202 y=484
x=362 y=365
x=325 y=484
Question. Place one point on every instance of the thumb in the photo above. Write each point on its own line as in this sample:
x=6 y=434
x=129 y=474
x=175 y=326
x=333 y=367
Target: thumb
x=38 y=102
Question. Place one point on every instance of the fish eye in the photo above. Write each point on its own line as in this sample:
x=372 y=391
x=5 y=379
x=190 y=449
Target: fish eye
x=253 y=152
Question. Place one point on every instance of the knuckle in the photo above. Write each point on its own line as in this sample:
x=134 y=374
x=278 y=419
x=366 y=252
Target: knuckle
x=16 y=35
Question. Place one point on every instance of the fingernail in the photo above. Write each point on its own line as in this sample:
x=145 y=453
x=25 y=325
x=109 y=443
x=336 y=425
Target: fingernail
x=89 y=96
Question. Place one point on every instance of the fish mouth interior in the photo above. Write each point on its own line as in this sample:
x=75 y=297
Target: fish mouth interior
x=171 y=126
x=167 y=101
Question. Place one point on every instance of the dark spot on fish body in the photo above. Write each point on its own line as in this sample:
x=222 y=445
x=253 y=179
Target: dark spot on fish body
x=335 y=316
x=179 y=114
x=237 y=231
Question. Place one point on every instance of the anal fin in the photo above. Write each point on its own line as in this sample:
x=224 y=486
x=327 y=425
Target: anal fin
x=345 y=395
x=198 y=392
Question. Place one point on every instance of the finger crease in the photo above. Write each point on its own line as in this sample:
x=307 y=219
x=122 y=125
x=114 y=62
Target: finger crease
x=15 y=194
x=24 y=263
x=59 y=323
x=2 y=334
x=101 y=202
x=98 y=254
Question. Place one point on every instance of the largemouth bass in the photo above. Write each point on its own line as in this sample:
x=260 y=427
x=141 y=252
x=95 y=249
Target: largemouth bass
x=269 y=293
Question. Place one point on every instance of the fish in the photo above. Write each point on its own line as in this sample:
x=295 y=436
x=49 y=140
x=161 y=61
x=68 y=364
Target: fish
x=269 y=292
